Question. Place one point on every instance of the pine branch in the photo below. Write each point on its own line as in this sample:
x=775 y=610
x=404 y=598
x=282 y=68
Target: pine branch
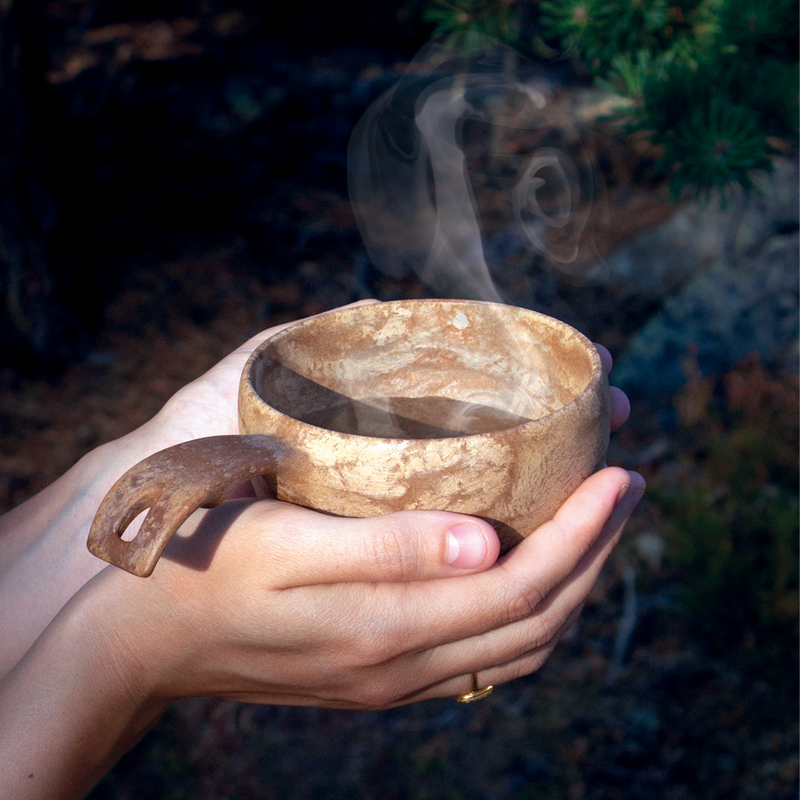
x=710 y=81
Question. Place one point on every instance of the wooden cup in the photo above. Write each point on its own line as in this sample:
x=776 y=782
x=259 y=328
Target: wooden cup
x=480 y=408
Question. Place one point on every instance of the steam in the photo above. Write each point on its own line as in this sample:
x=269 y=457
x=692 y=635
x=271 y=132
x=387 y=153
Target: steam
x=409 y=172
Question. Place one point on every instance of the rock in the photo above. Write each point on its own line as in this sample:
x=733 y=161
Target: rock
x=728 y=276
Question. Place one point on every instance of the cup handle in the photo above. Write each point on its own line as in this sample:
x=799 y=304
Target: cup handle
x=173 y=484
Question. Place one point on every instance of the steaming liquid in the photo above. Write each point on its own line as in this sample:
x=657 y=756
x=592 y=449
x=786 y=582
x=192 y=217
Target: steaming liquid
x=413 y=418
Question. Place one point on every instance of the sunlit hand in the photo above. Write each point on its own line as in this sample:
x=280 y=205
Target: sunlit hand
x=267 y=602
x=307 y=568
x=44 y=540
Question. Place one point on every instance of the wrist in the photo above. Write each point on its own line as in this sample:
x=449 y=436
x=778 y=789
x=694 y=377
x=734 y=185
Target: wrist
x=76 y=702
x=43 y=556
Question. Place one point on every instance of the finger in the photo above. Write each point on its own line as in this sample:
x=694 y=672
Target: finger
x=522 y=647
x=546 y=625
x=402 y=672
x=620 y=407
x=605 y=356
x=309 y=548
x=494 y=672
x=411 y=546
x=561 y=602
x=403 y=689
x=514 y=588
x=558 y=546
x=425 y=633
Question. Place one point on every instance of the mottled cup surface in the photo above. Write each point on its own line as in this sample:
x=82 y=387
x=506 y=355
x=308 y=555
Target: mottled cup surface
x=480 y=408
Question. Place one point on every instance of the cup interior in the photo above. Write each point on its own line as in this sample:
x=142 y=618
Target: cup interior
x=423 y=369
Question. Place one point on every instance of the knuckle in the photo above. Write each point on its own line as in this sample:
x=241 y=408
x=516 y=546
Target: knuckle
x=378 y=648
x=377 y=638
x=396 y=555
x=521 y=600
x=546 y=629
x=377 y=696
x=386 y=553
x=356 y=654
x=364 y=653
x=386 y=688
x=526 y=664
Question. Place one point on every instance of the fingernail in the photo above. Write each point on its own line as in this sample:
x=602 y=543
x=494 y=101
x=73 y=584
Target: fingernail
x=466 y=546
x=623 y=490
x=634 y=495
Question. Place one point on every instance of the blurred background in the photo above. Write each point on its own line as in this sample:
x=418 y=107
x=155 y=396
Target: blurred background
x=173 y=179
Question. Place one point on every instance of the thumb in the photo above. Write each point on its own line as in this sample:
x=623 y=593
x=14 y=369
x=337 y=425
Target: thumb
x=405 y=546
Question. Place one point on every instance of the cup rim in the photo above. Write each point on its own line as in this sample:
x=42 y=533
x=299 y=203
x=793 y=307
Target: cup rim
x=596 y=377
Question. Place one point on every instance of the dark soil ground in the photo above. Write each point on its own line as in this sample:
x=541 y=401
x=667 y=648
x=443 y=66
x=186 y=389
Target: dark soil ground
x=684 y=715
x=677 y=722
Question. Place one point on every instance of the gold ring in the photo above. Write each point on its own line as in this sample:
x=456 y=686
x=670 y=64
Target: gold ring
x=474 y=693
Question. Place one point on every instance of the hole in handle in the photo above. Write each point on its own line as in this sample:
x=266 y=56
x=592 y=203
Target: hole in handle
x=173 y=484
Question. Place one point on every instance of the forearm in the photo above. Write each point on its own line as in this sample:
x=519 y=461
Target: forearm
x=73 y=705
x=43 y=555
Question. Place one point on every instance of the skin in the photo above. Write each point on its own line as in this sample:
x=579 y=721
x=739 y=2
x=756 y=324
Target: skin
x=264 y=602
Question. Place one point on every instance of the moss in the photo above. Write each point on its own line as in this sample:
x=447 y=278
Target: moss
x=731 y=510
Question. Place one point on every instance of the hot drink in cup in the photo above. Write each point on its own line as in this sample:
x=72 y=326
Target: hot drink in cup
x=479 y=408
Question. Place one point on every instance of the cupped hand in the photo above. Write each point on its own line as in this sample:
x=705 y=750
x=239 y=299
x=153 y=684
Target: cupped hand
x=620 y=405
x=275 y=603
x=266 y=602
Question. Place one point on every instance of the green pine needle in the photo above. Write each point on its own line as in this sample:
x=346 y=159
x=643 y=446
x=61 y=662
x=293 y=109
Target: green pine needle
x=759 y=26
x=715 y=147
x=708 y=80
x=465 y=23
